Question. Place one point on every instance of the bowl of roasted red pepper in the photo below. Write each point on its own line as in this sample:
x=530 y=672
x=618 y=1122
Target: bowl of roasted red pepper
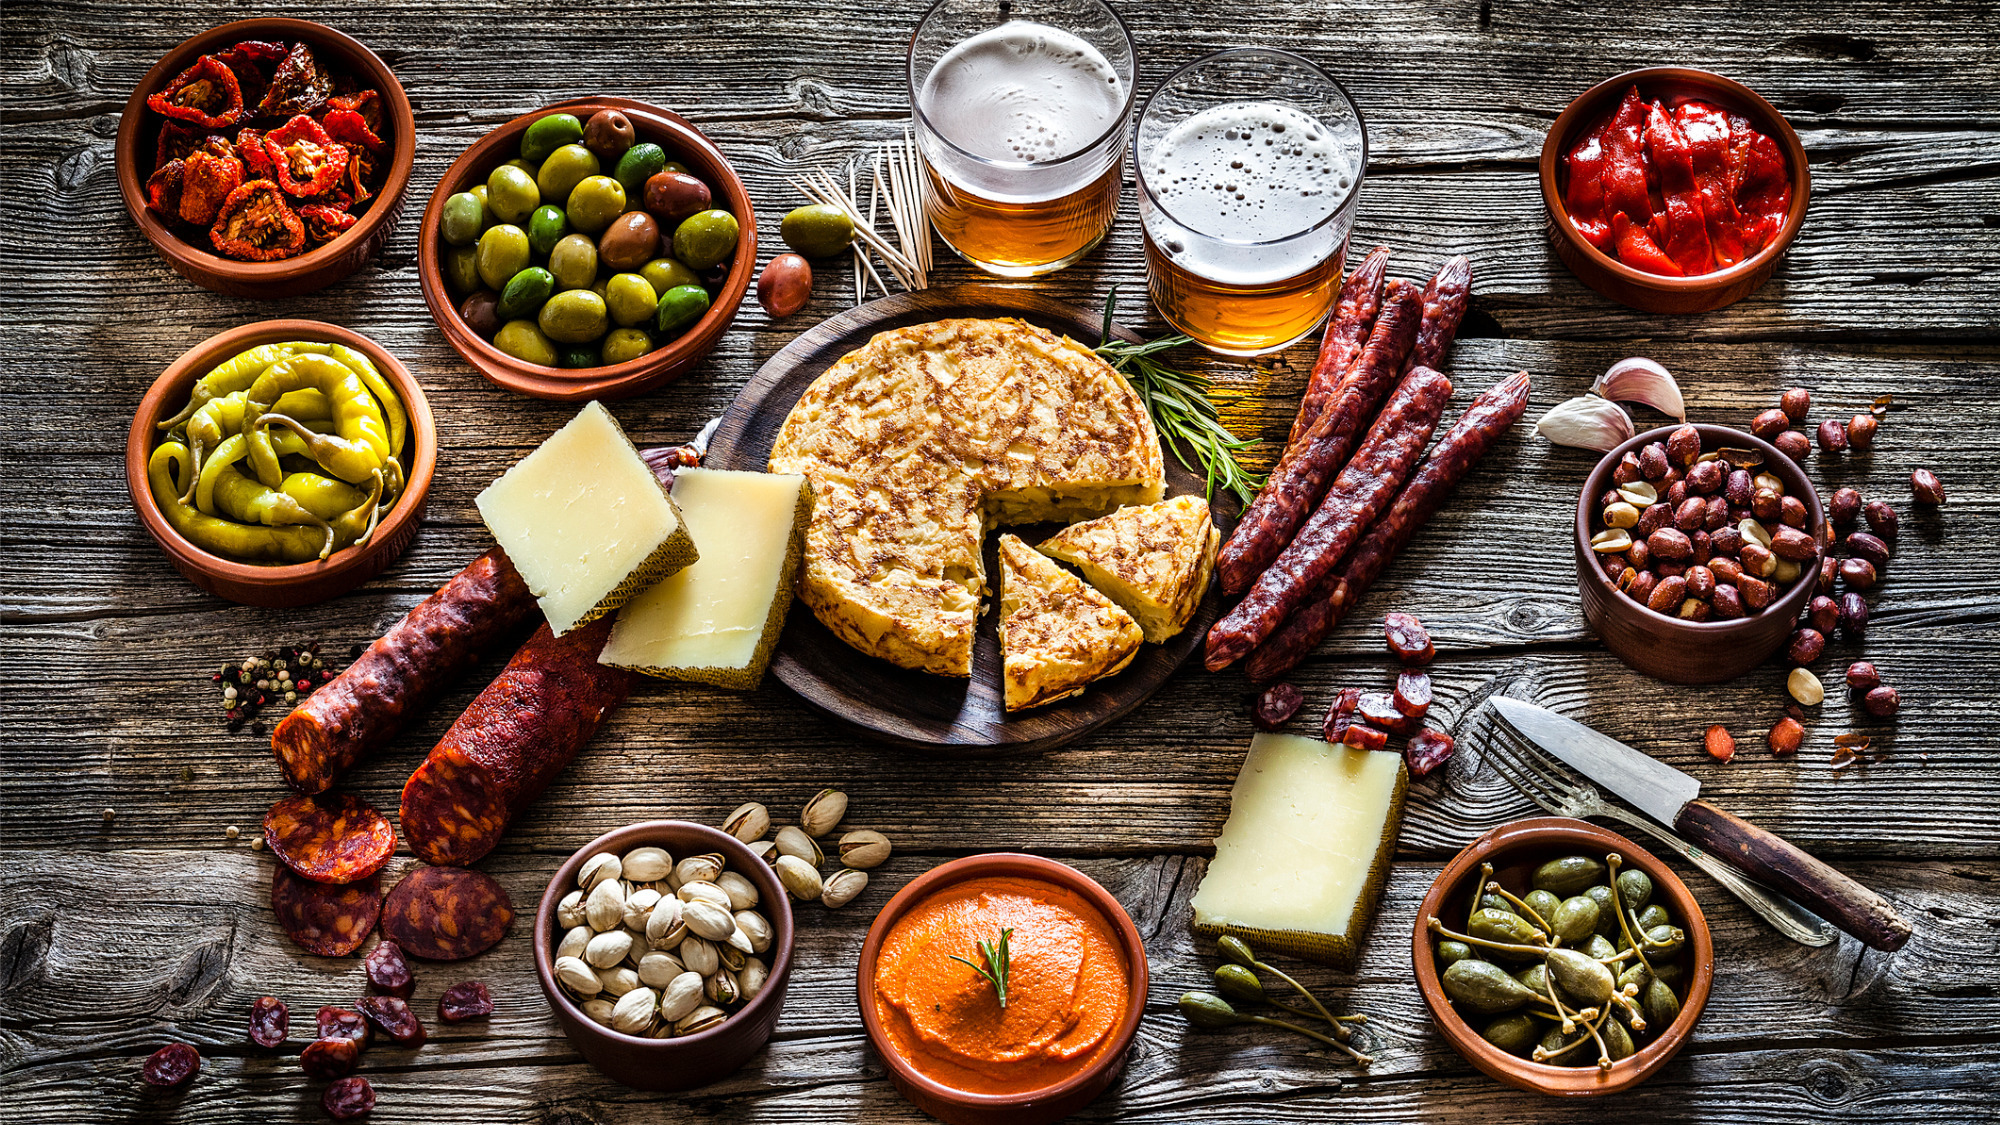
x=1673 y=190
x=266 y=157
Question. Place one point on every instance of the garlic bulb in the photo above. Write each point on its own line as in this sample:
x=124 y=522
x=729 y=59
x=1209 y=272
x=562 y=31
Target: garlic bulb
x=1587 y=422
x=1642 y=380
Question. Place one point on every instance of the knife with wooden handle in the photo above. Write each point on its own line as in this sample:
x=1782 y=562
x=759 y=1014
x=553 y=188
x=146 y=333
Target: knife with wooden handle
x=1672 y=798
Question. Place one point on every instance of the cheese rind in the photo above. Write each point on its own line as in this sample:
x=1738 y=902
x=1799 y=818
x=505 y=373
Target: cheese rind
x=1057 y=635
x=1154 y=560
x=585 y=521
x=717 y=621
x=1301 y=861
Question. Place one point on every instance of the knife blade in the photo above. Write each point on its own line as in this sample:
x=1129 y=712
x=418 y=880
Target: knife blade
x=1674 y=799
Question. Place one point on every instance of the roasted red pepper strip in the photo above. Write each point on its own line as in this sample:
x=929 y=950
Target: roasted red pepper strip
x=205 y=93
x=1624 y=162
x=257 y=162
x=1706 y=130
x=299 y=86
x=207 y=182
x=1585 y=198
x=1686 y=230
x=324 y=223
x=1764 y=192
x=163 y=190
x=308 y=161
x=256 y=225
x=367 y=103
x=349 y=128
x=1638 y=250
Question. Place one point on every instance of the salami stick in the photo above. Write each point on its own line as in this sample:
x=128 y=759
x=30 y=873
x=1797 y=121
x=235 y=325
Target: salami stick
x=510 y=743
x=1457 y=452
x=363 y=707
x=1353 y=320
x=1445 y=298
x=1360 y=494
x=1301 y=478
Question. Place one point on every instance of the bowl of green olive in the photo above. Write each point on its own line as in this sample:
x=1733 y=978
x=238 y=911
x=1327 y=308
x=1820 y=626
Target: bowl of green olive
x=1560 y=957
x=597 y=248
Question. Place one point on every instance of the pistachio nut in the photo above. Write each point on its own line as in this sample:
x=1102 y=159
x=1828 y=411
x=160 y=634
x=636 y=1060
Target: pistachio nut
x=843 y=887
x=608 y=948
x=731 y=957
x=643 y=865
x=658 y=967
x=741 y=891
x=699 y=955
x=569 y=912
x=739 y=941
x=604 y=906
x=638 y=907
x=722 y=988
x=680 y=996
x=618 y=980
x=577 y=976
x=599 y=1010
x=707 y=920
x=822 y=814
x=697 y=869
x=701 y=1019
x=573 y=942
x=710 y=893
x=599 y=868
x=661 y=1031
x=633 y=1013
x=637 y=953
x=766 y=850
x=665 y=922
x=862 y=849
x=755 y=927
x=793 y=841
x=749 y=822
x=664 y=887
x=752 y=977
x=801 y=879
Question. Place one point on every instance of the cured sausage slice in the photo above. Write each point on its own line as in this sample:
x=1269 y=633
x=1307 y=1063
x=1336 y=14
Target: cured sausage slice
x=334 y=1022
x=388 y=971
x=512 y=741
x=447 y=913
x=329 y=839
x=327 y=919
x=348 y=1099
x=466 y=1000
x=172 y=1065
x=329 y=1058
x=270 y=1021
x=393 y=1016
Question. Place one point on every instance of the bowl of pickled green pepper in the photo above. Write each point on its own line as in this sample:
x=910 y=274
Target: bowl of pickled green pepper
x=1560 y=957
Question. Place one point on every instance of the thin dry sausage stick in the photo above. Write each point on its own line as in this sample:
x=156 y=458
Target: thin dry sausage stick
x=1457 y=452
x=1362 y=492
x=1445 y=299
x=1353 y=321
x=363 y=707
x=1300 y=480
x=510 y=743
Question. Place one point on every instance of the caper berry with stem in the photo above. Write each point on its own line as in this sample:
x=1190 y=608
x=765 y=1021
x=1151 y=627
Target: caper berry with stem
x=1243 y=984
x=1211 y=1012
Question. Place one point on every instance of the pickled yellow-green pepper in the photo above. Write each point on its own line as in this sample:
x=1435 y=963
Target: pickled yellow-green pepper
x=244 y=542
x=359 y=442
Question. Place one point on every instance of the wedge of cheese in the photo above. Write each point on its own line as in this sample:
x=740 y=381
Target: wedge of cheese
x=1301 y=861
x=1154 y=560
x=717 y=621
x=1056 y=634
x=585 y=521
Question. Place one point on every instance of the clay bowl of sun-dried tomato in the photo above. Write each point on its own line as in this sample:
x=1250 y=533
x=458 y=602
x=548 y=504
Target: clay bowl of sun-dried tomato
x=340 y=190
x=1715 y=172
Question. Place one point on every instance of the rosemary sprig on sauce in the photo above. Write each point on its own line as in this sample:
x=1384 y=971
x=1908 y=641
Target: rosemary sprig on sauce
x=1179 y=404
x=995 y=969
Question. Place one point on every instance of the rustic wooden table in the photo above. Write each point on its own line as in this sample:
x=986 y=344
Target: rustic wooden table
x=120 y=935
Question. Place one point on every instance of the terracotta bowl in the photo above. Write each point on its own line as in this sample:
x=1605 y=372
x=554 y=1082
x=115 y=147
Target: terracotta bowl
x=280 y=586
x=1668 y=648
x=1514 y=850
x=1035 y=1107
x=687 y=1061
x=139 y=131
x=682 y=142
x=1651 y=292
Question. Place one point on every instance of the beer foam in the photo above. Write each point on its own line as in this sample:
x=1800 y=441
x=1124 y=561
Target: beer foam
x=1023 y=92
x=1251 y=171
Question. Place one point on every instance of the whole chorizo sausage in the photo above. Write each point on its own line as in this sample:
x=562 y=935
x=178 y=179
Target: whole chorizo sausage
x=1445 y=298
x=364 y=706
x=1353 y=321
x=1360 y=494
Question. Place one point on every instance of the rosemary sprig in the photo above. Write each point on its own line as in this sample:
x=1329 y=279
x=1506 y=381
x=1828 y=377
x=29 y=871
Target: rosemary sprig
x=1179 y=404
x=995 y=969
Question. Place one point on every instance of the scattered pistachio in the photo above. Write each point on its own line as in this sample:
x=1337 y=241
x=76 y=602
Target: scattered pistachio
x=755 y=927
x=618 y=980
x=753 y=976
x=822 y=814
x=730 y=957
x=710 y=893
x=699 y=955
x=633 y=1013
x=795 y=843
x=863 y=848
x=597 y=869
x=643 y=865
x=604 y=906
x=698 y=869
x=722 y=988
x=801 y=879
x=1805 y=687
x=843 y=887
x=749 y=822
x=599 y=1010
x=738 y=942
x=638 y=907
x=765 y=850
x=707 y=920
x=658 y=968
x=664 y=928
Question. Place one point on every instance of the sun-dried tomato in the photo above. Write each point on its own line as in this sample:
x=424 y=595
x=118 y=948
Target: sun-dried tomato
x=324 y=223
x=367 y=103
x=163 y=190
x=177 y=142
x=251 y=65
x=207 y=181
x=299 y=86
x=348 y=127
x=261 y=50
x=257 y=162
x=358 y=185
x=256 y=225
x=308 y=161
x=205 y=93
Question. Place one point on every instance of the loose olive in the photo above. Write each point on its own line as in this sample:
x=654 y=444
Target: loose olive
x=638 y=164
x=1495 y=902
x=550 y=133
x=527 y=166
x=546 y=227
x=665 y=273
x=512 y=194
x=1515 y=1034
x=574 y=316
x=785 y=285
x=1543 y=903
x=1635 y=888
x=525 y=342
x=818 y=230
x=463 y=218
x=503 y=252
x=461 y=268
x=1452 y=952
x=481 y=312
x=579 y=355
x=632 y=240
x=565 y=168
x=525 y=293
x=678 y=310
x=594 y=202
x=675 y=166
x=1500 y=926
x=631 y=299
x=487 y=218
x=1484 y=987
x=626 y=344
x=705 y=238
x=674 y=196
x=608 y=133
x=1568 y=875
x=574 y=261
x=1575 y=919
x=1239 y=982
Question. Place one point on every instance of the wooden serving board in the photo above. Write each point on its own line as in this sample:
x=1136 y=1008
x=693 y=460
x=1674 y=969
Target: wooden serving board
x=934 y=714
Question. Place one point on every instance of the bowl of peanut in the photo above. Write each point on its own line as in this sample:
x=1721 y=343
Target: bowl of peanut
x=1696 y=549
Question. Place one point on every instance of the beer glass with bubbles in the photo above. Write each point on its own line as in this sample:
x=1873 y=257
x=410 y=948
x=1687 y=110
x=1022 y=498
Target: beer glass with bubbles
x=1249 y=166
x=1021 y=110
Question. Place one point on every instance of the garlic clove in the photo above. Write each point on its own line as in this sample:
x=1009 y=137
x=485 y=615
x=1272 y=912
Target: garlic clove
x=1587 y=422
x=1641 y=380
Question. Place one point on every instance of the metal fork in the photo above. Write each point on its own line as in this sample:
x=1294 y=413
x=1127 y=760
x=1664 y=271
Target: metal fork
x=1545 y=783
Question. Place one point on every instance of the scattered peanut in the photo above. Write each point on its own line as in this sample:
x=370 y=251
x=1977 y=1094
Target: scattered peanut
x=1786 y=736
x=1718 y=743
x=1805 y=687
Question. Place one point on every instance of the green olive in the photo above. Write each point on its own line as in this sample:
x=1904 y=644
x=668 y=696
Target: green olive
x=461 y=268
x=1575 y=919
x=1638 y=976
x=679 y=308
x=549 y=134
x=705 y=239
x=1496 y=902
x=1664 y=941
x=525 y=293
x=1515 y=1034
x=1535 y=977
x=527 y=166
x=546 y=228
x=594 y=202
x=1484 y=987
x=525 y=342
x=675 y=166
x=602 y=287
x=1635 y=888
x=574 y=316
x=626 y=344
x=819 y=230
x=512 y=194
x=665 y=273
x=565 y=168
x=631 y=299
x=1600 y=947
x=640 y=163
x=1568 y=875
x=579 y=355
x=463 y=219
x=573 y=260
x=486 y=216
x=503 y=252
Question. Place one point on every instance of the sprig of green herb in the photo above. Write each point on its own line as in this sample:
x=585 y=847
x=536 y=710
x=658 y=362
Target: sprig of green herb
x=995 y=969
x=1180 y=406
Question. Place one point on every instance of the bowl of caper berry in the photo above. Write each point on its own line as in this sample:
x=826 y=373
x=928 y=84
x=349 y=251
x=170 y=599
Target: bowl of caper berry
x=1560 y=957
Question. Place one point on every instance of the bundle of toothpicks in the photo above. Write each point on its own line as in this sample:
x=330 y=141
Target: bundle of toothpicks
x=895 y=177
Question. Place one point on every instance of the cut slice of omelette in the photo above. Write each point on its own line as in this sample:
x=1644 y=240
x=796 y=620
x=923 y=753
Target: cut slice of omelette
x=1056 y=634
x=1154 y=560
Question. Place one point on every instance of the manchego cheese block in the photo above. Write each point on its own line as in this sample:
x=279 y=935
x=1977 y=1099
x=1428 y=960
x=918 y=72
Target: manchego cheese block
x=585 y=521
x=1301 y=861
x=717 y=621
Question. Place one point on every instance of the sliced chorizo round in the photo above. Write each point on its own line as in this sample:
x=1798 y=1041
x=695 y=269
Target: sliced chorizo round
x=447 y=913
x=331 y=838
x=322 y=918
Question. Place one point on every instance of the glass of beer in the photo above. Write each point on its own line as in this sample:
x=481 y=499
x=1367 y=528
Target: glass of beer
x=1249 y=166
x=1021 y=110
